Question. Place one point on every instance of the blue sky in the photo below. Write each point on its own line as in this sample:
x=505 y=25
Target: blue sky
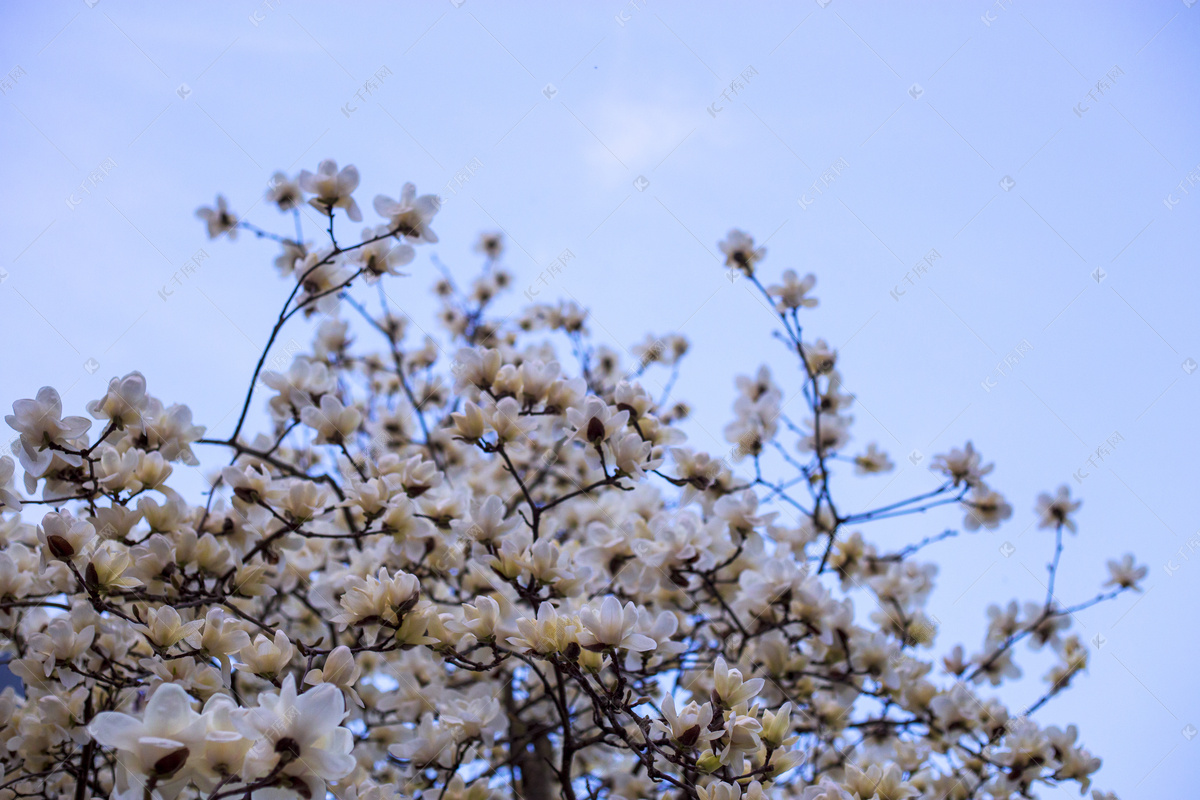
x=1048 y=154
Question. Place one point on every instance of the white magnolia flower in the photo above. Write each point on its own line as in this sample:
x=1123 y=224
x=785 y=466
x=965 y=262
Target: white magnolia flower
x=480 y=622
x=222 y=635
x=548 y=632
x=486 y=522
x=729 y=686
x=719 y=790
x=332 y=421
x=265 y=657
x=9 y=500
x=986 y=508
x=219 y=219
x=612 y=626
x=339 y=670
x=1057 y=510
x=1125 y=573
x=689 y=726
x=152 y=752
x=381 y=598
x=596 y=421
x=42 y=426
x=740 y=252
x=332 y=189
x=165 y=628
x=65 y=537
x=410 y=215
x=170 y=431
x=962 y=466
x=299 y=736
x=491 y=245
x=124 y=401
x=284 y=192
x=108 y=567
x=793 y=292
x=873 y=460
x=381 y=256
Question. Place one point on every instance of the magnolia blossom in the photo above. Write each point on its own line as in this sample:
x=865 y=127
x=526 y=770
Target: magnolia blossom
x=42 y=427
x=483 y=545
x=740 y=252
x=1056 y=510
x=219 y=219
x=284 y=192
x=332 y=421
x=1125 y=573
x=872 y=460
x=124 y=401
x=154 y=751
x=729 y=686
x=299 y=736
x=378 y=256
x=793 y=292
x=690 y=725
x=490 y=244
x=9 y=500
x=409 y=216
x=332 y=189
x=962 y=466
x=986 y=508
x=612 y=626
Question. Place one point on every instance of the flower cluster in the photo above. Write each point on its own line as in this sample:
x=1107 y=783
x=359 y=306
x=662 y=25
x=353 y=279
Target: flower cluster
x=466 y=568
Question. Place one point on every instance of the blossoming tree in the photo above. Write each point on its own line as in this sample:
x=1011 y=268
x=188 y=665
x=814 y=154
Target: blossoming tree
x=469 y=568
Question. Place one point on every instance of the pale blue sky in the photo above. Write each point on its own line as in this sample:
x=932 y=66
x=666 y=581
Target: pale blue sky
x=962 y=128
